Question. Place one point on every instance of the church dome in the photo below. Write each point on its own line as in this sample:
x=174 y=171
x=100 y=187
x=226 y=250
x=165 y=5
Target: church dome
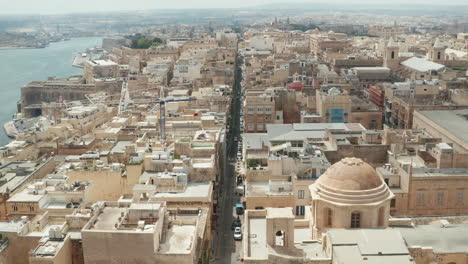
x=350 y=174
x=350 y=181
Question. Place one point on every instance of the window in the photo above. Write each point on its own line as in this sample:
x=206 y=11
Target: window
x=328 y=219
x=300 y=194
x=420 y=199
x=322 y=171
x=267 y=117
x=386 y=180
x=15 y=208
x=278 y=117
x=260 y=110
x=300 y=210
x=393 y=54
x=251 y=110
x=297 y=144
x=279 y=241
x=268 y=110
x=440 y=198
x=260 y=127
x=393 y=203
x=355 y=220
x=438 y=55
x=314 y=173
x=381 y=216
x=459 y=197
x=31 y=208
x=250 y=127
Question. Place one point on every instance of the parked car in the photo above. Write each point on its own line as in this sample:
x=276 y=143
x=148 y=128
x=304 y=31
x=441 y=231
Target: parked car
x=239 y=209
x=240 y=190
x=237 y=233
x=236 y=223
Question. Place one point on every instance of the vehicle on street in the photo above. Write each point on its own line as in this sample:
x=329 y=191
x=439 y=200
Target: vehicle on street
x=236 y=223
x=237 y=233
x=239 y=209
x=239 y=181
x=240 y=191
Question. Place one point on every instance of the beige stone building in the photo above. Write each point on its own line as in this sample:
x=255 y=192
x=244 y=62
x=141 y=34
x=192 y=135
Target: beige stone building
x=259 y=111
x=349 y=195
x=144 y=233
x=449 y=125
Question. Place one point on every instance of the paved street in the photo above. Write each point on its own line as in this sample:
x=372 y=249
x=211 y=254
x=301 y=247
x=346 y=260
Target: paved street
x=225 y=246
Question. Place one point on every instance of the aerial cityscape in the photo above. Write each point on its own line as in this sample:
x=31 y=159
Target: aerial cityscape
x=150 y=132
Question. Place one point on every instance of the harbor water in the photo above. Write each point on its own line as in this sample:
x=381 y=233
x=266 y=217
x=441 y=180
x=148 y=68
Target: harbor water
x=21 y=66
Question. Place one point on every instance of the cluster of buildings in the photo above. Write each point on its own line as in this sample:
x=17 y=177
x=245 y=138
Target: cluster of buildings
x=353 y=150
x=126 y=170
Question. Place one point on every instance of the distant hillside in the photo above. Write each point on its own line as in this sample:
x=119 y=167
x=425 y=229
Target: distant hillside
x=372 y=7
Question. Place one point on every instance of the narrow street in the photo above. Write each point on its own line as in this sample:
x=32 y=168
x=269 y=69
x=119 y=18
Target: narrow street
x=225 y=247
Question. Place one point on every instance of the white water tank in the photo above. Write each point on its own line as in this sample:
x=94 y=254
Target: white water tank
x=51 y=233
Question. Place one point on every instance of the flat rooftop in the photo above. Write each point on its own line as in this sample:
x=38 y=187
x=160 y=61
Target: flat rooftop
x=454 y=121
x=447 y=172
x=257 y=238
x=11 y=226
x=442 y=239
x=45 y=230
x=24 y=196
x=108 y=218
x=288 y=132
x=193 y=189
x=120 y=146
x=179 y=239
x=422 y=65
x=15 y=173
x=263 y=189
x=48 y=249
x=379 y=246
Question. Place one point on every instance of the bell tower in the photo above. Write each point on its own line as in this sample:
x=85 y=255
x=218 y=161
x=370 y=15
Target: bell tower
x=437 y=52
x=391 y=58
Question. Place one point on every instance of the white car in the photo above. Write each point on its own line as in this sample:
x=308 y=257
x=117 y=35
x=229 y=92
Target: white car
x=237 y=233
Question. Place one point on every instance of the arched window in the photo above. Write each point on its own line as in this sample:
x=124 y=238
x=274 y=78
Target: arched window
x=328 y=217
x=438 y=55
x=381 y=216
x=355 y=220
x=279 y=239
x=393 y=54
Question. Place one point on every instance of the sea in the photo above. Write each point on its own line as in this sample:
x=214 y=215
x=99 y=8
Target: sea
x=21 y=66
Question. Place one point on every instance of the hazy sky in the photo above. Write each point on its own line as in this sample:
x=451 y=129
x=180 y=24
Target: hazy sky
x=70 y=6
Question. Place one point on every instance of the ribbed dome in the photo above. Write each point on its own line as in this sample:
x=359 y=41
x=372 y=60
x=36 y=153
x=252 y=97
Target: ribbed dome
x=350 y=174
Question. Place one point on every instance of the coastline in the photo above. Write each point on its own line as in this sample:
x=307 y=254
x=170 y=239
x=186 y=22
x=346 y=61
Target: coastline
x=22 y=65
x=15 y=48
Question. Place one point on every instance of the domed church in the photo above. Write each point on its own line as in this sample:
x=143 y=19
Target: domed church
x=349 y=194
